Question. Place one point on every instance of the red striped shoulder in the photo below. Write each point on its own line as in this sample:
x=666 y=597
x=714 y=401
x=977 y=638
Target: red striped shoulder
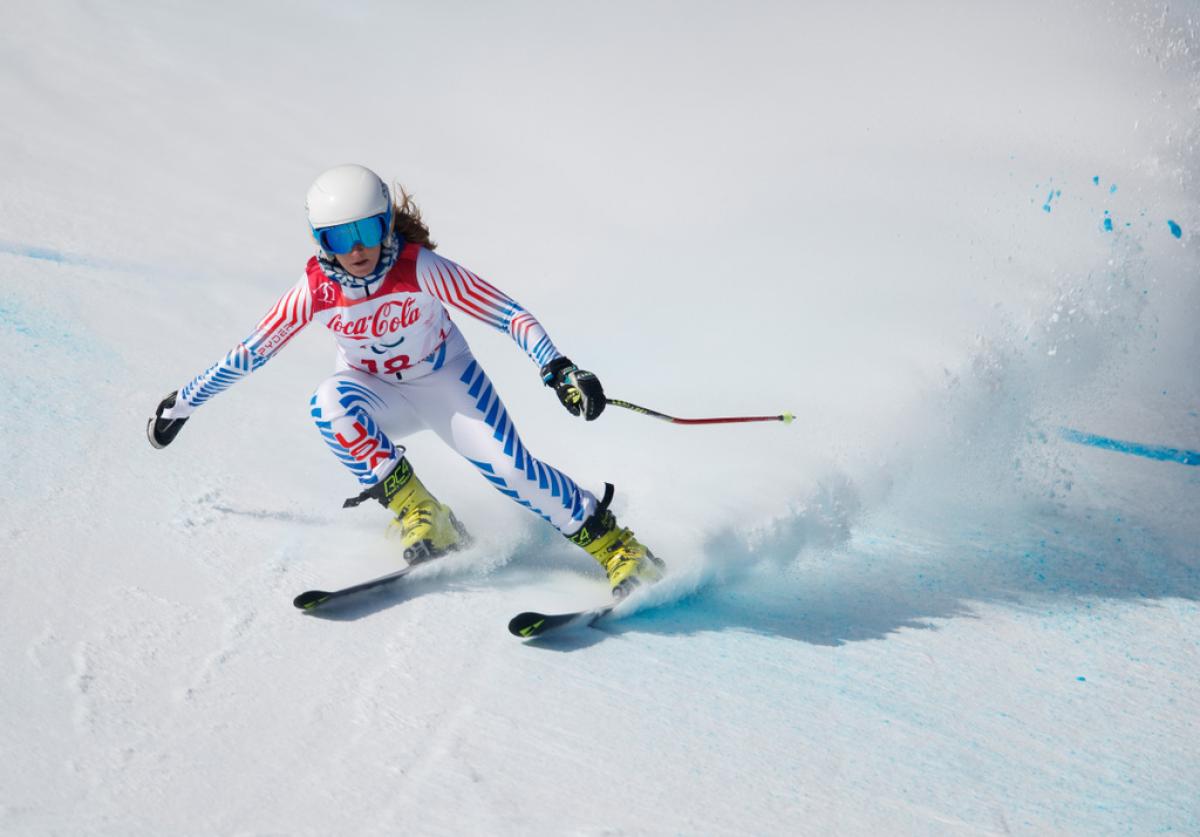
x=457 y=286
x=292 y=309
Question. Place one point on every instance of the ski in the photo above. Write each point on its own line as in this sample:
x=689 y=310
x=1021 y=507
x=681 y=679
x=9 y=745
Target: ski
x=531 y=624
x=312 y=599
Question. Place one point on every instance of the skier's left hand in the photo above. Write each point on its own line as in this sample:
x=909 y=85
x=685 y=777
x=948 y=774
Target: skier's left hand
x=167 y=421
x=578 y=390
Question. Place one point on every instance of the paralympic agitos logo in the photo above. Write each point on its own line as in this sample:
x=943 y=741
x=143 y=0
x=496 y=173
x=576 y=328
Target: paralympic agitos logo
x=388 y=319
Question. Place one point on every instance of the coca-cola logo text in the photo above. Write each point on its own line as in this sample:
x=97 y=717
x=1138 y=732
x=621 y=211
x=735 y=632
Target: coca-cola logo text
x=389 y=318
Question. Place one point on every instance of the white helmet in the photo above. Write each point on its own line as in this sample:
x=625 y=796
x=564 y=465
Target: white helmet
x=346 y=193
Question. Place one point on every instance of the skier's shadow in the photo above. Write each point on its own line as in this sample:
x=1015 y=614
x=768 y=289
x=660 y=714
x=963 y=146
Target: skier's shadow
x=833 y=591
x=459 y=572
x=455 y=574
x=368 y=602
x=808 y=580
x=781 y=606
x=573 y=640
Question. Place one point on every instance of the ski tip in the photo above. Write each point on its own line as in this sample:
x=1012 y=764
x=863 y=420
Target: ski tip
x=526 y=625
x=310 y=599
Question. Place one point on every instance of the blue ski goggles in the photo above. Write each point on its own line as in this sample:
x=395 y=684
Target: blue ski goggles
x=341 y=238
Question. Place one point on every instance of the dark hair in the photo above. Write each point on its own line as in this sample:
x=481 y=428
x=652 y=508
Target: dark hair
x=407 y=221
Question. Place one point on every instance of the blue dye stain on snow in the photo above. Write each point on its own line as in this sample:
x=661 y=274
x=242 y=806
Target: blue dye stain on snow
x=37 y=329
x=47 y=254
x=1096 y=180
x=1176 y=230
x=1081 y=679
x=1054 y=193
x=1162 y=454
x=11 y=319
x=1112 y=189
x=43 y=253
x=1107 y=221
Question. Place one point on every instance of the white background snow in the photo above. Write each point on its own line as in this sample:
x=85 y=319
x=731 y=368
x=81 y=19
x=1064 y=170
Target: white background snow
x=916 y=610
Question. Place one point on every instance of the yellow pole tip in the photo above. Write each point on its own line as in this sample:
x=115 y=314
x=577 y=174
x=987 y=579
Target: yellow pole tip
x=788 y=418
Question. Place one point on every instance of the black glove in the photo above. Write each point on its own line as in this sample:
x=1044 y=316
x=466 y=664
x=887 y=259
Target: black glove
x=162 y=431
x=578 y=390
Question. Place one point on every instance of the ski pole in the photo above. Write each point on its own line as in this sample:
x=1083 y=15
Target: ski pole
x=786 y=418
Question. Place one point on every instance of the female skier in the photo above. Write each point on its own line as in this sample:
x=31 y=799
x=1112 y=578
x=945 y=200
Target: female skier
x=403 y=365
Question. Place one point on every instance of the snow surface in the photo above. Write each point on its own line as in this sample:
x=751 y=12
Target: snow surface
x=920 y=609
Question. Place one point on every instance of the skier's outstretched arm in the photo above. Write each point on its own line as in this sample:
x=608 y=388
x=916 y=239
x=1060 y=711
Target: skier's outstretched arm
x=284 y=321
x=578 y=390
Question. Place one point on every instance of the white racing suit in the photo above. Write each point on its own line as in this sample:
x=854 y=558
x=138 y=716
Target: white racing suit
x=404 y=366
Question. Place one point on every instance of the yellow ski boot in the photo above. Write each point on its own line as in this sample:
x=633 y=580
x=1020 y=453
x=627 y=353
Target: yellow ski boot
x=427 y=529
x=627 y=562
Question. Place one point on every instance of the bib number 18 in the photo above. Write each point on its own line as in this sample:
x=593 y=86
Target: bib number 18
x=391 y=366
